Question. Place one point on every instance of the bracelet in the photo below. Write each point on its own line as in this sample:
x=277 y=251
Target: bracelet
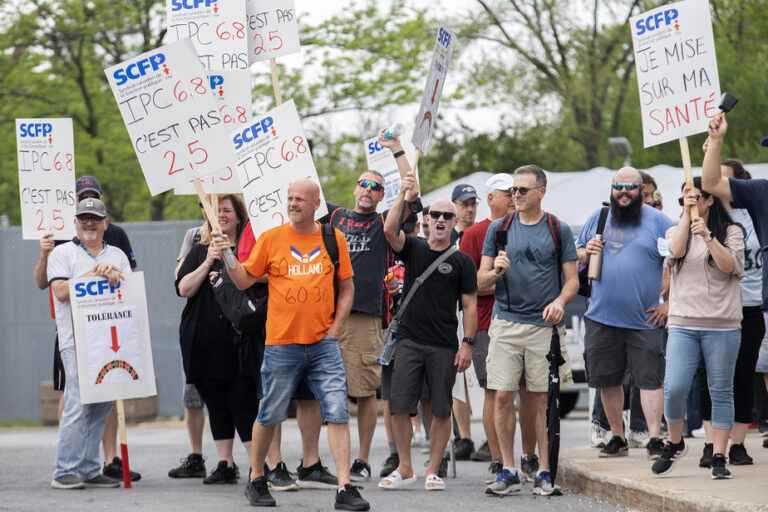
x=398 y=154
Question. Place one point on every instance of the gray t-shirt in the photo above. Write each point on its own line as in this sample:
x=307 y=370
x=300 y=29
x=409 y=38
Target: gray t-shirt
x=533 y=278
x=752 y=281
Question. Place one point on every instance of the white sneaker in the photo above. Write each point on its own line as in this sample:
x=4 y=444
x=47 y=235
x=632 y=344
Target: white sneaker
x=637 y=439
x=699 y=433
x=597 y=436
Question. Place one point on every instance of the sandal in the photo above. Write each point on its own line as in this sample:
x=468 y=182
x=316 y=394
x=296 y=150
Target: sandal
x=396 y=481
x=434 y=483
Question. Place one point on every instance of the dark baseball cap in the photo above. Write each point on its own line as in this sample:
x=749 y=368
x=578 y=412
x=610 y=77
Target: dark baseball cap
x=764 y=142
x=87 y=184
x=463 y=192
x=91 y=206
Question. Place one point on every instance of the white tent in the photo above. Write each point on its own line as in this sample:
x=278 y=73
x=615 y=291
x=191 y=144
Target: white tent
x=574 y=196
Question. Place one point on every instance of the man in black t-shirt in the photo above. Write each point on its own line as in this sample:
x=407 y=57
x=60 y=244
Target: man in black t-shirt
x=427 y=344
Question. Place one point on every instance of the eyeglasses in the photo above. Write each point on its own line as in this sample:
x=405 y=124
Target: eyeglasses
x=374 y=186
x=89 y=219
x=625 y=186
x=521 y=190
x=446 y=215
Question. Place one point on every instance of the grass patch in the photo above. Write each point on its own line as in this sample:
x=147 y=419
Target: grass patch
x=19 y=423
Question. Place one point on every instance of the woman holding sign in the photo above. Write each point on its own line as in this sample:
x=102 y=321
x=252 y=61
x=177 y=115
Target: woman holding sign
x=209 y=350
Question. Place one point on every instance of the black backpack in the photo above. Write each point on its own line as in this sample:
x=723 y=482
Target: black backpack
x=332 y=246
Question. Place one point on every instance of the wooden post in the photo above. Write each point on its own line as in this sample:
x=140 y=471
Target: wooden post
x=207 y=208
x=123 y=435
x=685 y=154
x=276 y=83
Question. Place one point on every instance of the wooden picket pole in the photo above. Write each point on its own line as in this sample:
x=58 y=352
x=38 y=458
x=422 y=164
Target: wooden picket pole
x=123 y=436
x=276 y=83
x=685 y=154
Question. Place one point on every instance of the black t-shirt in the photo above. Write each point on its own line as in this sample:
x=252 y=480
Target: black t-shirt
x=207 y=338
x=368 y=251
x=430 y=317
x=751 y=195
x=116 y=236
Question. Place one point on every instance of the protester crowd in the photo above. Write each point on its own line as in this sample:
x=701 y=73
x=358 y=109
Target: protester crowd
x=362 y=305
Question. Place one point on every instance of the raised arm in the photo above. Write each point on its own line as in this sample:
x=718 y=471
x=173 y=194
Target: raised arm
x=712 y=180
x=408 y=192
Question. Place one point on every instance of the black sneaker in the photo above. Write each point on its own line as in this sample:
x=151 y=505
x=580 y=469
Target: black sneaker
x=316 y=476
x=442 y=470
x=280 y=479
x=737 y=456
x=115 y=470
x=669 y=455
x=706 y=456
x=101 y=481
x=719 y=471
x=655 y=446
x=483 y=454
x=616 y=447
x=193 y=466
x=257 y=492
x=349 y=498
x=463 y=448
x=529 y=467
x=389 y=465
x=360 y=471
x=223 y=474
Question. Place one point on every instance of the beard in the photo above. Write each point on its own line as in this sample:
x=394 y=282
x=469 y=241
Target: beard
x=627 y=215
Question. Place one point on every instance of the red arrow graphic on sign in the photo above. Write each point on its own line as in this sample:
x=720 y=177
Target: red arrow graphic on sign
x=115 y=344
x=434 y=94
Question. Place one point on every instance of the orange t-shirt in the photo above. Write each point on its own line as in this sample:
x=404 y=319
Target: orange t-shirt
x=301 y=301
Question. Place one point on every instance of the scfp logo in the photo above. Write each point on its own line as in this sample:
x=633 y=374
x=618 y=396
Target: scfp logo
x=443 y=37
x=254 y=131
x=374 y=147
x=658 y=20
x=138 y=69
x=177 y=5
x=217 y=84
x=36 y=130
x=95 y=288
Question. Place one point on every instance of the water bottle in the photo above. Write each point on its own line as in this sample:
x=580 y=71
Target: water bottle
x=393 y=131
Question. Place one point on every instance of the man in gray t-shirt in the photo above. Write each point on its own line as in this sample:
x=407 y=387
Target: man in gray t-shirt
x=533 y=285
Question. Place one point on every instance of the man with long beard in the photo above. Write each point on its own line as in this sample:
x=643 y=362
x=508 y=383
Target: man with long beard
x=624 y=316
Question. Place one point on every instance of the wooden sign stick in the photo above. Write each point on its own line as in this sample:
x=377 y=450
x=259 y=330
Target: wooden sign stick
x=276 y=83
x=685 y=154
x=207 y=208
x=123 y=435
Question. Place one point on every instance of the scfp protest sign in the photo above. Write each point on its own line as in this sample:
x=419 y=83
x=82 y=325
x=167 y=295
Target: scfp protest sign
x=425 y=119
x=272 y=152
x=676 y=70
x=173 y=120
x=380 y=159
x=46 y=155
x=232 y=91
x=114 y=351
x=216 y=27
x=273 y=29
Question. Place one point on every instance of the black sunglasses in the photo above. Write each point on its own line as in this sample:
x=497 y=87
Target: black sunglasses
x=521 y=190
x=446 y=215
x=681 y=200
x=375 y=186
x=625 y=186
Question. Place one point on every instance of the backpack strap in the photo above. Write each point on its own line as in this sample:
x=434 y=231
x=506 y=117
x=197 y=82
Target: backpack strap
x=553 y=225
x=332 y=247
x=420 y=280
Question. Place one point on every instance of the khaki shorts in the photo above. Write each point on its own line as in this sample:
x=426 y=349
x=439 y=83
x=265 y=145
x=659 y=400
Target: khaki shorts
x=361 y=343
x=519 y=351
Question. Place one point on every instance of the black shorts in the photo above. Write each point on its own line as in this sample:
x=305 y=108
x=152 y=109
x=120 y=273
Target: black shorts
x=386 y=383
x=479 y=355
x=415 y=362
x=611 y=351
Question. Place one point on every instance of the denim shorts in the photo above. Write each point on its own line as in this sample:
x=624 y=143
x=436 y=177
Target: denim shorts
x=319 y=364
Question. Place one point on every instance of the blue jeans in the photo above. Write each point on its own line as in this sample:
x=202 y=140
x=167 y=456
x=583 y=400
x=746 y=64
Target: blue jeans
x=80 y=427
x=685 y=348
x=285 y=366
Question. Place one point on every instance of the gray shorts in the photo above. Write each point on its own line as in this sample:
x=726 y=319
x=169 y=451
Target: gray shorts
x=192 y=399
x=611 y=351
x=479 y=353
x=762 y=358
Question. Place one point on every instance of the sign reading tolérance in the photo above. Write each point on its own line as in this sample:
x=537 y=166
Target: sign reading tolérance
x=46 y=155
x=676 y=70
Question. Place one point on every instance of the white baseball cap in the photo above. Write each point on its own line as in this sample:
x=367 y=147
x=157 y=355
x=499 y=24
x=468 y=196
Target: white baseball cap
x=500 y=181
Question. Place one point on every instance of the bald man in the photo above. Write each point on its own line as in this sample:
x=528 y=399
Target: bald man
x=624 y=318
x=303 y=326
x=428 y=347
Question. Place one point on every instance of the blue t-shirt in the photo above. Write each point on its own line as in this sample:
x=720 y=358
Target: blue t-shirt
x=752 y=195
x=533 y=278
x=630 y=282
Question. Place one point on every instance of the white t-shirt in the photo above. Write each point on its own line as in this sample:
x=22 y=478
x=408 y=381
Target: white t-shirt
x=752 y=281
x=69 y=261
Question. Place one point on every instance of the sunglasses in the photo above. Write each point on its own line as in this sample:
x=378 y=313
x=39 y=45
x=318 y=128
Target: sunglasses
x=445 y=215
x=625 y=186
x=681 y=200
x=521 y=190
x=375 y=186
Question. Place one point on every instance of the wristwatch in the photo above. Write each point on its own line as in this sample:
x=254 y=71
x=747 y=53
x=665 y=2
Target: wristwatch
x=468 y=340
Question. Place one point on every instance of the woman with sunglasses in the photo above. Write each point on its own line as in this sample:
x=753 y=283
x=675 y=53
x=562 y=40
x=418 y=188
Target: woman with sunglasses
x=705 y=313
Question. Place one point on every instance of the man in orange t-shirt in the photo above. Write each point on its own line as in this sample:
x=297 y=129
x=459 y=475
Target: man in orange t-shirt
x=303 y=326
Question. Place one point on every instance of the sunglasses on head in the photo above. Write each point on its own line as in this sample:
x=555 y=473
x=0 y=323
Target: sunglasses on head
x=521 y=190
x=446 y=215
x=625 y=186
x=375 y=186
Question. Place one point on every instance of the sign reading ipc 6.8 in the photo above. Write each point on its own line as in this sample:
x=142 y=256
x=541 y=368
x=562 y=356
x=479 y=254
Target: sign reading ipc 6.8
x=676 y=70
x=175 y=125
x=46 y=155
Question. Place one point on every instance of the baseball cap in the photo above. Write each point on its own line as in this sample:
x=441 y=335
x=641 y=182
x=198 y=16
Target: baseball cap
x=500 y=181
x=764 y=142
x=463 y=192
x=91 y=206
x=87 y=184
